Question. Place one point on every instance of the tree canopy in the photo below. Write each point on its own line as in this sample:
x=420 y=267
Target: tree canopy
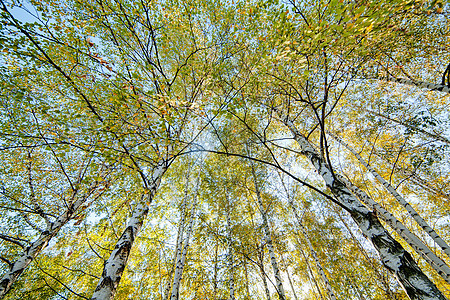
x=211 y=149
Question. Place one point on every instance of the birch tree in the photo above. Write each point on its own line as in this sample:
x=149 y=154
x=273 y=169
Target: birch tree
x=126 y=92
x=392 y=254
x=268 y=238
x=182 y=246
x=431 y=232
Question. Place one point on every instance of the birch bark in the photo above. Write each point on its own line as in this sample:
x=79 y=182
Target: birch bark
x=422 y=223
x=216 y=269
x=380 y=276
x=247 y=289
x=268 y=239
x=416 y=284
x=116 y=263
x=181 y=257
x=182 y=260
x=420 y=84
x=180 y=233
x=177 y=254
x=230 y=251
x=263 y=272
x=34 y=248
x=311 y=276
x=432 y=259
x=289 y=278
x=330 y=292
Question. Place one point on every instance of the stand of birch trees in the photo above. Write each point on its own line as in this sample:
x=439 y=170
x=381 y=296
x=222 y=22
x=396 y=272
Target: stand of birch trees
x=209 y=149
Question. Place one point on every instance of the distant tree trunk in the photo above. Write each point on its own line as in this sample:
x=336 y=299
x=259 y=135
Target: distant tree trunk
x=412 y=128
x=263 y=272
x=310 y=272
x=230 y=250
x=182 y=260
x=268 y=239
x=34 y=248
x=416 y=284
x=308 y=242
x=177 y=254
x=116 y=263
x=216 y=256
x=180 y=234
x=313 y=253
x=246 y=279
x=289 y=278
x=412 y=212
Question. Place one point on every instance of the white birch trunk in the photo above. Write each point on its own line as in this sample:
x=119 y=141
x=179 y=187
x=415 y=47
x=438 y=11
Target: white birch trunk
x=291 y=284
x=330 y=292
x=422 y=223
x=420 y=84
x=216 y=250
x=380 y=276
x=230 y=251
x=34 y=248
x=312 y=278
x=247 y=289
x=182 y=259
x=116 y=263
x=180 y=233
x=268 y=239
x=416 y=284
x=263 y=272
x=432 y=259
x=177 y=254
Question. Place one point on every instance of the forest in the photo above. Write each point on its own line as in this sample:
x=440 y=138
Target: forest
x=225 y=149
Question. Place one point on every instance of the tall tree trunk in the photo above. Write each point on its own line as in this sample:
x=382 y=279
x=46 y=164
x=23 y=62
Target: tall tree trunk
x=180 y=233
x=177 y=252
x=247 y=289
x=116 y=263
x=268 y=239
x=416 y=284
x=432 y=259
x=230 y=250
x=380 y=276
x=313 y=253
x=420 y=84
x=311 y=249
x=184 y=244
x=182 y=260
x=289 y=277
x=422 y=223
x=310 y=272
x=216 y=256
x=263 y=272
x=33 y=249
